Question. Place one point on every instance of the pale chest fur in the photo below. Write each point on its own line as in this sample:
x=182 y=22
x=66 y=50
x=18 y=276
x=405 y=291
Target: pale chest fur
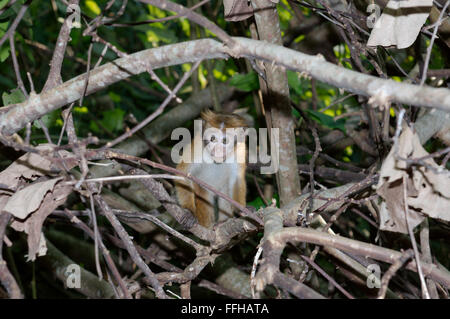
x=222 y=175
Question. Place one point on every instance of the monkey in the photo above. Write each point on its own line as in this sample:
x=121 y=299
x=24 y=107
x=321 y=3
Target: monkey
x=221 y=164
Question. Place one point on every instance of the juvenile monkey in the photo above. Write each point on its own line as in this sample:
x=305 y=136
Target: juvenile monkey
x=221 y=164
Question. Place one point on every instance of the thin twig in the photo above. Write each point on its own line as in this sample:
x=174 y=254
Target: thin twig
x=392 y=270
x=16 y=21
x=328 y=277
x=414 y=244
x=170 y=230
x=430 y=47
x=192 y=16
x=74 y=219
x=130 y=246
x=253 y=273
x=158 y=111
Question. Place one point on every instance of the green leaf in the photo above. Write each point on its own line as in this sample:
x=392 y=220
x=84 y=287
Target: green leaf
x=93 y=7
x=245 y=82
x=155 y=35
x=48 y=119
x=94 y=127
x=114 y=97
x=257 y=203
x=113 y=119
x=327 y=120
x=16 y=96
x=4 y=53
x=11 y=11
x=3 y=27
x=296 y=83
x=3 y=3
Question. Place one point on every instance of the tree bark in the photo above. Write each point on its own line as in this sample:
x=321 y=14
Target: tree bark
x=279 y=114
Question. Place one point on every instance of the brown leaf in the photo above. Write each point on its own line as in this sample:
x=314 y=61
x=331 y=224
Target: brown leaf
x=33 y=224
x=428 y=186
x=31 y=204
x=28 y=199
x=392 y=211
x=237 y=10
x=31 y=166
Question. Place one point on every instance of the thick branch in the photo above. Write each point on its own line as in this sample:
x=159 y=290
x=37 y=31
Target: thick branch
x=277 y=102
x=54 y=76
x=38 y=105
x=296 y=234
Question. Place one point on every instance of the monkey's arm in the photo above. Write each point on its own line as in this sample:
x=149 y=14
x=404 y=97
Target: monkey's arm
x=240 y=188
x=185 y=190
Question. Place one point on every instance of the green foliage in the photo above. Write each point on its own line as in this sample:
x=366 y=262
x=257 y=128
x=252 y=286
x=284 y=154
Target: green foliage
x=16 y=96
x=245 y=82
x=92 y=7
x=49 y=120
x=296 y=83
x=326 y=120
x=4 y=49
x=3 y=3
x=4 y=53
x=112 y=120
x=259 y=203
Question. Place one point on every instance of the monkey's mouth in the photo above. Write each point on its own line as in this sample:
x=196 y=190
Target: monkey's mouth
x=218 y=159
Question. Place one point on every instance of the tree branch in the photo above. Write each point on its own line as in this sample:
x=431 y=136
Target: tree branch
x=36 y=106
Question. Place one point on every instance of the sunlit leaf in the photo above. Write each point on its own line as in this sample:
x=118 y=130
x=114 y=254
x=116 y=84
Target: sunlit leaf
x=3 y=3
x=81 y=109
x=93 y=7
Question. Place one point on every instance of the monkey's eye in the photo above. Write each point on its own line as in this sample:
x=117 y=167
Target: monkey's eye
x=213 y=138
x=224 y=140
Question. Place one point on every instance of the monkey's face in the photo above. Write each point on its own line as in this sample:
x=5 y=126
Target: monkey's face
x=219 y=144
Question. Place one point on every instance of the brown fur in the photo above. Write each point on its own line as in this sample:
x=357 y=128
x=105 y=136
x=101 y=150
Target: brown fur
x=229 y=120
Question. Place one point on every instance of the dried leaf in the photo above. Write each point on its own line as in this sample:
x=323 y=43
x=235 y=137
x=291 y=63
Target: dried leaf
x=428 y=186
x=33 y=224
x=31 y=166
x=400 y=23
x=237 y=10
x=392 y=211
x=31 y=204
x=28 y=199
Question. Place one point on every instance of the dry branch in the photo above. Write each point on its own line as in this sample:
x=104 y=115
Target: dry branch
x=36 y=106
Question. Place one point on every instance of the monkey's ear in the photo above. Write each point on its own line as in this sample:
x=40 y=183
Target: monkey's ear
x=207 y=115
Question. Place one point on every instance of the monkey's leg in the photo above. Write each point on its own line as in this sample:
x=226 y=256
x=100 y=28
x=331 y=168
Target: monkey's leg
x=204 y=202
x=185 y=195
x=240 y=192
